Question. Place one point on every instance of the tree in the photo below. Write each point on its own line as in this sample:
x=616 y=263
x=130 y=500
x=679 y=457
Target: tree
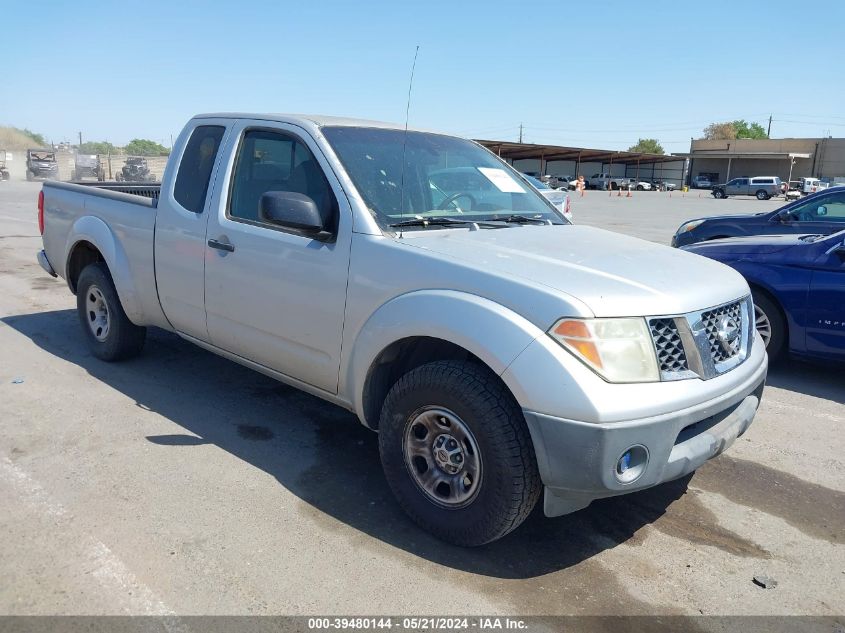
x=730 y=130
x=97 y=147
x=749 y=130
x=647 y=146
x=145 y=147
x=720 y=131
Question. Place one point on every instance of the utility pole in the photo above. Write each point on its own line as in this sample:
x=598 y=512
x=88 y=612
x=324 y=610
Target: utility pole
x=80 y=139
x=769 y=130
x=520 y=132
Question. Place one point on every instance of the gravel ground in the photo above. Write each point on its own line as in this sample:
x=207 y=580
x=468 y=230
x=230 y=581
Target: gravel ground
x=180 y=483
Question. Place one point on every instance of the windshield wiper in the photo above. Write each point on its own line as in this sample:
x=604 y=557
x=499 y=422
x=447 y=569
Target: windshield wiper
x=521 y=219
x=441 y=221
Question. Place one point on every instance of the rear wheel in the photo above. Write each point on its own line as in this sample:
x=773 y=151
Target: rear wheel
x=718 y=194
x=762 y=195
x=109 y=332
x=457 y=454
x=770 y=324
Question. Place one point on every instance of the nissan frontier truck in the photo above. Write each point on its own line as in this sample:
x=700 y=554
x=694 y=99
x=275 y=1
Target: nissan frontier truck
x=501 y=353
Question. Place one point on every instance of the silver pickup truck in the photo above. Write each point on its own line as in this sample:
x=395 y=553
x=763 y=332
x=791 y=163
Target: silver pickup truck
x=499 y=351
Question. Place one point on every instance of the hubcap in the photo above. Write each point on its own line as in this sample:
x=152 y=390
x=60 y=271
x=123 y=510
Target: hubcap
x=763 y=325
x=98 y=313
x=442 y=455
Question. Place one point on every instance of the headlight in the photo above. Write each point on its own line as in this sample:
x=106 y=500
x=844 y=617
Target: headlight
x=689 y=226
x=619 y=350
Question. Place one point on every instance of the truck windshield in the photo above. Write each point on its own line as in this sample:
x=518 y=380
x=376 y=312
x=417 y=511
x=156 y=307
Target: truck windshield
x=444 y=176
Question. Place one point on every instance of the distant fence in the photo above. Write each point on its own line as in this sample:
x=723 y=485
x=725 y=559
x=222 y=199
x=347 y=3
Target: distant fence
x=111 y=164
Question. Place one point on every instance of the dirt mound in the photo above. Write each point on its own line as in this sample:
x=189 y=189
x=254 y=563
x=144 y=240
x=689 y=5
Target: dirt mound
x=13 y=138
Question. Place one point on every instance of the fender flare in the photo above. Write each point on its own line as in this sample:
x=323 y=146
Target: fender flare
x=91 y=229
x=492 y=332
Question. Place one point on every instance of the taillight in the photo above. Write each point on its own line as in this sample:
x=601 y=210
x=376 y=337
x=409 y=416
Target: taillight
x=41 y=212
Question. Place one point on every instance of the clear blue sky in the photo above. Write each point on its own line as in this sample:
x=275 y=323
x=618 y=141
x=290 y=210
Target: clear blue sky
x=571 y=73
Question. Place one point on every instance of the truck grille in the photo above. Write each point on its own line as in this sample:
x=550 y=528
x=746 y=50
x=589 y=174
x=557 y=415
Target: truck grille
x=712 y=320
x=667 y=341
x=703 y=344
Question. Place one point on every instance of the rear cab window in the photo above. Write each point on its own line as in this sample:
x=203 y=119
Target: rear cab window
x=191 y=188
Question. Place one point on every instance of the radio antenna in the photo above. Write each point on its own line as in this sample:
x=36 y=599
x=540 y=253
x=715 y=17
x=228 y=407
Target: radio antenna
x=405 y=141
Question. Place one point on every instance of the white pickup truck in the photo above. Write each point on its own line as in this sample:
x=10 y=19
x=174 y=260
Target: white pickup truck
x=606 y=181
x=498 y=350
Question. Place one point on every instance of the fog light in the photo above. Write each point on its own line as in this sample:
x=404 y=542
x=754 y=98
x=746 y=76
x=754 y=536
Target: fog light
x=624 y=463
x=631 y=464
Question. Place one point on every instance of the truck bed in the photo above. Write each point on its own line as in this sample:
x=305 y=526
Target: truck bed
x=144 y=190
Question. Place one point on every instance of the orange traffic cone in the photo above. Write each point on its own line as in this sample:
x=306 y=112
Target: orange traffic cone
x=619 y=193
x=628 y=195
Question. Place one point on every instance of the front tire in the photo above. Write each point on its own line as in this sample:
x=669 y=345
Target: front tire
x=457 y=454
x=110 y=335
x=770 y=324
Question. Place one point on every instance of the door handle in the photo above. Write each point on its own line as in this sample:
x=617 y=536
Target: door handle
x=222 y=246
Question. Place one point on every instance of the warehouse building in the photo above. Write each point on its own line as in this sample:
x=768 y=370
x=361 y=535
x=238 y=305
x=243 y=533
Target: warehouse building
x=559 y=160
x=788 y=158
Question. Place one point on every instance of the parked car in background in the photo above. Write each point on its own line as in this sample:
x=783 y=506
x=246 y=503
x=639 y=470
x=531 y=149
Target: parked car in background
x=560 y=182
x=640 y=185
x=807 y=186
x=41 y=163
x=761 y=187
x=606 y=181
x=501 y=352
x=822 y=212
x=662 y=185
x=798 y=286
x=4 y=172
x=702 y=182
x=555 y=196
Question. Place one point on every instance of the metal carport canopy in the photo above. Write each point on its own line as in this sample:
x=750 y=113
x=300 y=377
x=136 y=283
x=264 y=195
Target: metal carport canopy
x=519 y=151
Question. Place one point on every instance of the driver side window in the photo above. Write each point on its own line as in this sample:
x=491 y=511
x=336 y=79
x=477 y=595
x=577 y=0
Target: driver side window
x=825 y=209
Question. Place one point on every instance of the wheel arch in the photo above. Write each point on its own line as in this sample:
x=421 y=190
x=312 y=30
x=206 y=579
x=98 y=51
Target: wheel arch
x=425 y=326
x=91 y=240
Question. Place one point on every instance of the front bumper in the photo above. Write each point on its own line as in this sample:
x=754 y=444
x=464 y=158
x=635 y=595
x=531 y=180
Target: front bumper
x=578 y=460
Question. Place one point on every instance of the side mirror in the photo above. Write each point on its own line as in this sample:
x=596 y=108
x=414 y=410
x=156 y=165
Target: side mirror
x=821 y=211
x=784 y=217
x=294 y=211
x=839 y=251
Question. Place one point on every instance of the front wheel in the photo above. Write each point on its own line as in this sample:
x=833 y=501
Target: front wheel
x=762 y=195
x=109 y=332
x=457 y=454
x=770 y=324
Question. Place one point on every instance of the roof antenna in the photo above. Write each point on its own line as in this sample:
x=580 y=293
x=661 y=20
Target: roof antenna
x=405 y=142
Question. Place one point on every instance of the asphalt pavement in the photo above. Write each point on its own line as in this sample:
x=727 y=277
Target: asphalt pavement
x=180 y=483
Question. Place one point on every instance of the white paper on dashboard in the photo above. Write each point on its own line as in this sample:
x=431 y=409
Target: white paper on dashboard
x=501 y=179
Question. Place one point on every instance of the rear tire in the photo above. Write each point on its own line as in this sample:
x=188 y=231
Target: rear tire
x=769 y=321
x=762 y=195
x=497 y=483
x=719 y=194
x=110 y=335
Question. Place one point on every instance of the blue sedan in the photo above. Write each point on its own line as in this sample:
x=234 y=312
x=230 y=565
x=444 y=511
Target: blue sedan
x=798 y=286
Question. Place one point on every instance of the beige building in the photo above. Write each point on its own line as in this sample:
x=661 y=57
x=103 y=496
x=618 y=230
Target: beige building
x=788 y=158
